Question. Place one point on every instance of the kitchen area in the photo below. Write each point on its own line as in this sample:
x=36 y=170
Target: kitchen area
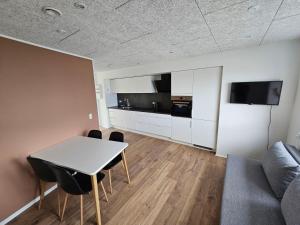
x=181 y=106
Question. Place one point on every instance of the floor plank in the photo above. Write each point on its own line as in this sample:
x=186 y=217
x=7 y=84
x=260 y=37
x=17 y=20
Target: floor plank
x=171 y=184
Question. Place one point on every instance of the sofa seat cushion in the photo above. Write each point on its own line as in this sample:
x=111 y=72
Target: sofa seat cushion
x=247 y=196
x=290 y=204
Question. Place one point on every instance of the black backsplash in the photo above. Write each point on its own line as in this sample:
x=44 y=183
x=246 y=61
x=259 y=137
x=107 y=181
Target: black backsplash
x=144 y=101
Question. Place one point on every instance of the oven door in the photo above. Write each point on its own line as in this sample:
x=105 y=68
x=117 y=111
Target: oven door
x=181 y=109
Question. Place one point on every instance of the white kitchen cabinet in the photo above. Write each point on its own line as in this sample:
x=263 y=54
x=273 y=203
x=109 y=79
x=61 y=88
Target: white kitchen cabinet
x=206 y=93
x=182 y=129
x=117 y=118
x=204 y=133
x=182 y=83
x=142 y=84
x=130 y=120
x=206 y=101
x=158 y=124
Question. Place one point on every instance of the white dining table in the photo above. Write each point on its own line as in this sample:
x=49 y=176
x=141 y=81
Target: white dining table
x=85 y=155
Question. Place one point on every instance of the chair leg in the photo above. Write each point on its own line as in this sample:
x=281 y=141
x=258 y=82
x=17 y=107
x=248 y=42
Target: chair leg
x=81 y=209
x=102 y=186
x=109 y=176
x=42 y=193
x=125 y=166
x=58 y=199
x=64 y=207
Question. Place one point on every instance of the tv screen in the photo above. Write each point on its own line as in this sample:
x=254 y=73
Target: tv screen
x=260 y=93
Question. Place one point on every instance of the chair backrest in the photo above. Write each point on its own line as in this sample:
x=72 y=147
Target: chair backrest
x=95 y=134
x=41 y=169
x=66 y=181
x=116 y=136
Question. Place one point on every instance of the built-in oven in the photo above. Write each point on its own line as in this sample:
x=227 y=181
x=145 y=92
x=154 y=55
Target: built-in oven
x=181 y=106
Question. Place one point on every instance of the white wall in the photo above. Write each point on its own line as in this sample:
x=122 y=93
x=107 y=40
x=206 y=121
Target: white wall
x=294 y=131
x=242 y=128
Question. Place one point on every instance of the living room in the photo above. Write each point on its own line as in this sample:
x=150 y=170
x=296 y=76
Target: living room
x=150 y=112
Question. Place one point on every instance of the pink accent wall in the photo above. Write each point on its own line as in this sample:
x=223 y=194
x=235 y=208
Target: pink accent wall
x=45 y=97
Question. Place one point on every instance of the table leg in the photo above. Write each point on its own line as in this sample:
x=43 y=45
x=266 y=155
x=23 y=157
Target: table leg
x=125 y=166
x=42 y=192
x=96 y=196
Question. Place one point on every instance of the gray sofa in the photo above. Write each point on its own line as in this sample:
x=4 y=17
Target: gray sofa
x=248 y=198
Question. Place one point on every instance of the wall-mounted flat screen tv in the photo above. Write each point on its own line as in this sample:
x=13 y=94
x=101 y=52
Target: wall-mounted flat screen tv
x=260 y=93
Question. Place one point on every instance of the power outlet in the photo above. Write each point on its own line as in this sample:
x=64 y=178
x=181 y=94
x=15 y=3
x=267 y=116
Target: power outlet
x=90 y=116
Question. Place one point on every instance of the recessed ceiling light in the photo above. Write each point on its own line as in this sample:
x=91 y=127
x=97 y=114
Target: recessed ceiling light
x=50 y=11
x=253 y=8
x=79 y=5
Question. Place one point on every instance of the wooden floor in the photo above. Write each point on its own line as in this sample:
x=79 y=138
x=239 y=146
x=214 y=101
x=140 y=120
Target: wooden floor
x=171 y=184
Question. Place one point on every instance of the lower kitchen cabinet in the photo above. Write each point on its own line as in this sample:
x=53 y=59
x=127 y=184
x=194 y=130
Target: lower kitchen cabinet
x=158 y=124
x=204 y=133
x=182 y=129
x=152 y=123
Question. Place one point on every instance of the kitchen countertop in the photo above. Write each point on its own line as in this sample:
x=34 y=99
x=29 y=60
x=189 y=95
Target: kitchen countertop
x=136 y=109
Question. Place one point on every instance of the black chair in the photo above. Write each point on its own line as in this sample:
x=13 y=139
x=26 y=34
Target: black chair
x=119 y=137
x=45 y=174
x=95 y=134
x=77 y=184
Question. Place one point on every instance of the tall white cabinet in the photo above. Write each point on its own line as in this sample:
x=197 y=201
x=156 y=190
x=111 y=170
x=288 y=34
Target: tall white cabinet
x=206 y=101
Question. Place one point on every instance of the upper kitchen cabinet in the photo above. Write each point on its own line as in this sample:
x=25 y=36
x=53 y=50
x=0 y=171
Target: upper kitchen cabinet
x=142 y=84
x=206 y=93
x=182 y=83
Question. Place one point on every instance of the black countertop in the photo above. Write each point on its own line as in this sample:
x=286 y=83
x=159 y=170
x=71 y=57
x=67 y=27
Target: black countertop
x=141 y=110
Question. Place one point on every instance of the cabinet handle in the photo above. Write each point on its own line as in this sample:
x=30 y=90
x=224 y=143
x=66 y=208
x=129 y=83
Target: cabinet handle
x=191 y=124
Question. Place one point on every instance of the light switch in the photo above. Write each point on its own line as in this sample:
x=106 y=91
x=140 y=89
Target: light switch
x=90 y=116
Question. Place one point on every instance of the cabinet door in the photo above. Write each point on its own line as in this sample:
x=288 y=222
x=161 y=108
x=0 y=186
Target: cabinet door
x=117 y=118
x=182 y=83
x=142 y=84
x=204 y=133
x=206 y=93
x=131 y=120
x=181 y=129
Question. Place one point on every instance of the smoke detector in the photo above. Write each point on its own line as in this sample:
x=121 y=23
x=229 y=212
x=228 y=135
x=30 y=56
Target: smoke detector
x=79 y=5
x=50 y=11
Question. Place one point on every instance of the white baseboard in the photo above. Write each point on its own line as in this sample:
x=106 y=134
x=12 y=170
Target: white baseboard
x=219 y=155
x=25 y=207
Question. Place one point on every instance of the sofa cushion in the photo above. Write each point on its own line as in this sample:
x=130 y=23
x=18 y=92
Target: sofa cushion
x=290 y=204
x=293 y=151
x=247 y=196
x=280 y=168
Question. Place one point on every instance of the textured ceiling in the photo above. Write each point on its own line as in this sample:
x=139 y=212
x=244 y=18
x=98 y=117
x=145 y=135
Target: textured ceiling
x=121 y=33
